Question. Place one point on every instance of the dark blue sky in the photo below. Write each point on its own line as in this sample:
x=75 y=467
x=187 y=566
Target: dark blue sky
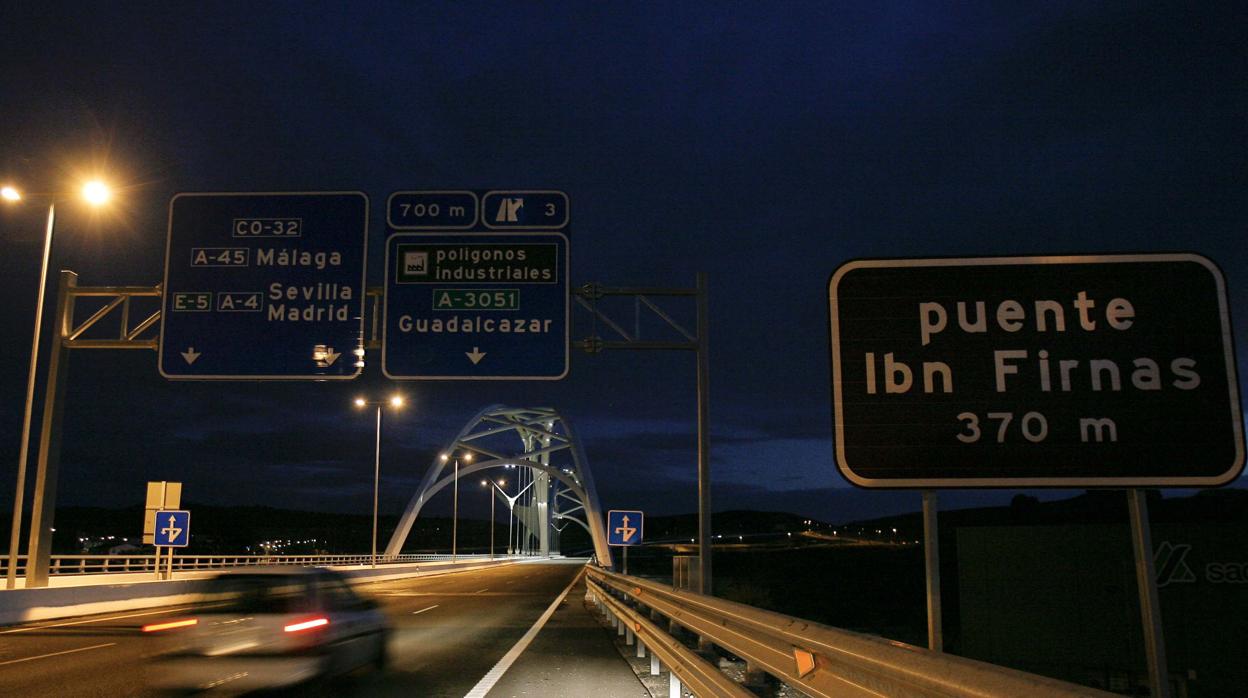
x=764 y=144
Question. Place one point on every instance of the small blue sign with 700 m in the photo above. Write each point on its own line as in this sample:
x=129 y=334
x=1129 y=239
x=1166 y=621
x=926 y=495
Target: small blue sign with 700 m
x=264 y=286
x=484 y=303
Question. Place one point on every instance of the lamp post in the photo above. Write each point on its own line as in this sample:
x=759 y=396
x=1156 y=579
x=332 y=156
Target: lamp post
x=95 y=193
x=511 y=512
x=395 y=402
x=455 y=515
x=487 y=483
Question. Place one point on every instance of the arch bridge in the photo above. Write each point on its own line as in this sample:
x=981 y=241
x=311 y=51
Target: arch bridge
x=539 y=445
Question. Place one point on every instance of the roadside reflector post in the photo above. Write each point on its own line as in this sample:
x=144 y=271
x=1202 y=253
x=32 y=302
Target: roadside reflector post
x=1146 y=579
x=628 y=636
x=641 y=648
x=673 y=685
x=931 y=560
x=655 y=668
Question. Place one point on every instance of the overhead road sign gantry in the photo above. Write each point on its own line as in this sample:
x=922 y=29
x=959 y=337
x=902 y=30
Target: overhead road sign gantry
x=1060 y=371
x=625 y=527
x=264 y=286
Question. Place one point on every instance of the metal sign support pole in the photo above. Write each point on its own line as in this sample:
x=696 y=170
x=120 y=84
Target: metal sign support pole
x=626 y=559
x=1146 y=578
x=931 y=560
x=156 y=567
x=704 y=442
x=39 y=550
x=20 y=490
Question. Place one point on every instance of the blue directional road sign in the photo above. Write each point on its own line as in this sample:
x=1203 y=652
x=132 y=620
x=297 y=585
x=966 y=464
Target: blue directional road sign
x=625 y=527
x=173 y=528
x=476 y=306
x=264 y=286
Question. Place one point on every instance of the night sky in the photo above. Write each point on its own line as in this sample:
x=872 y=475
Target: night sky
x=764 y=144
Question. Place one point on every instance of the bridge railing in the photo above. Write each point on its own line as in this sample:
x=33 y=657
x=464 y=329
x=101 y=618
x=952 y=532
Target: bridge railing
x=817 y=659
x=116 y=564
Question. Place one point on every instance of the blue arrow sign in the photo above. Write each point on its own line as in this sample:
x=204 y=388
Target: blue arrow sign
x=173 y=528
x=625 y=527
x=476 y=306
x=264 y=286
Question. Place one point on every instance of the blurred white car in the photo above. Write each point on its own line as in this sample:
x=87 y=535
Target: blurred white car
x=269 y=627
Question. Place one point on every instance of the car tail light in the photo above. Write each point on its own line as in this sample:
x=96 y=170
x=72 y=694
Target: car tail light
x=170 y=625
x=306 y=625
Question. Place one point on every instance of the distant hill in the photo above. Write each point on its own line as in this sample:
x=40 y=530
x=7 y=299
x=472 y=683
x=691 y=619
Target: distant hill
x=219 y=529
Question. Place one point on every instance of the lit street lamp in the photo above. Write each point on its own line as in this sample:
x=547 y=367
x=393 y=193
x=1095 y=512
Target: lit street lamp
x=395 y=402
x=511 y=513
x=499 y=484
x=455 y=516
x=96 y=193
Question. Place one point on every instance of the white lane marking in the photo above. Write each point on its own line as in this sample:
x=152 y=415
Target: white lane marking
x=478 y=592
x=56 y=654
x=175 y=609
x=425 y=609
x=493 y=675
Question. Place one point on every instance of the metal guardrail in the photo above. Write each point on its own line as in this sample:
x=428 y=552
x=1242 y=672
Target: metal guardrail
x=116 y=564
x=817 y=659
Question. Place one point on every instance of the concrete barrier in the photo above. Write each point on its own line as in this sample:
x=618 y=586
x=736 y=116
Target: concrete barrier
x=112 y=595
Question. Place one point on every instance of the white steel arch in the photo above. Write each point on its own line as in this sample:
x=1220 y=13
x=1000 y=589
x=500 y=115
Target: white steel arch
x=538 y=440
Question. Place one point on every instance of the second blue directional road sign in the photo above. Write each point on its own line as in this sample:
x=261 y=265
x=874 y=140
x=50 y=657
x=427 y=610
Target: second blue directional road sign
x=173 y=528
x=625 y=527
x=264 y=286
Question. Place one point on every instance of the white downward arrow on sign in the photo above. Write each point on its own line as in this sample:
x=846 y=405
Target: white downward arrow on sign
x=190 y=355
x=475 y=355
x=331 y=356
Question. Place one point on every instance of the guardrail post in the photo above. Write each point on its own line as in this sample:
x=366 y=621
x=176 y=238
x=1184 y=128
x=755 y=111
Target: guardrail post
x=628 y=635
x=673 y=685
x=756 y=680
x=655 y=668
x=641 y=648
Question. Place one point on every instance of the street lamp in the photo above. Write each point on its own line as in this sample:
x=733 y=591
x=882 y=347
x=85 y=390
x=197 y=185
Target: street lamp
x=395 y=402
x=455 y=515
x=96 y=193
x=499 y=484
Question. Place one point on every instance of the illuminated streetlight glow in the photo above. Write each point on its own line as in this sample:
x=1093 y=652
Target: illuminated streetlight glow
x=96 y=192
x=396 y=401
x=445 y=458
x=360 y=402
x=10 y=194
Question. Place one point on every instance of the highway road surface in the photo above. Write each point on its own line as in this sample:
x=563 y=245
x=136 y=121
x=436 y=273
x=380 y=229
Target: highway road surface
x=449 y=631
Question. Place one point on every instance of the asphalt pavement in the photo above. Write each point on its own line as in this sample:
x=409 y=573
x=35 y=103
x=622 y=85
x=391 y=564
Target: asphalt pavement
x=449 y=631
